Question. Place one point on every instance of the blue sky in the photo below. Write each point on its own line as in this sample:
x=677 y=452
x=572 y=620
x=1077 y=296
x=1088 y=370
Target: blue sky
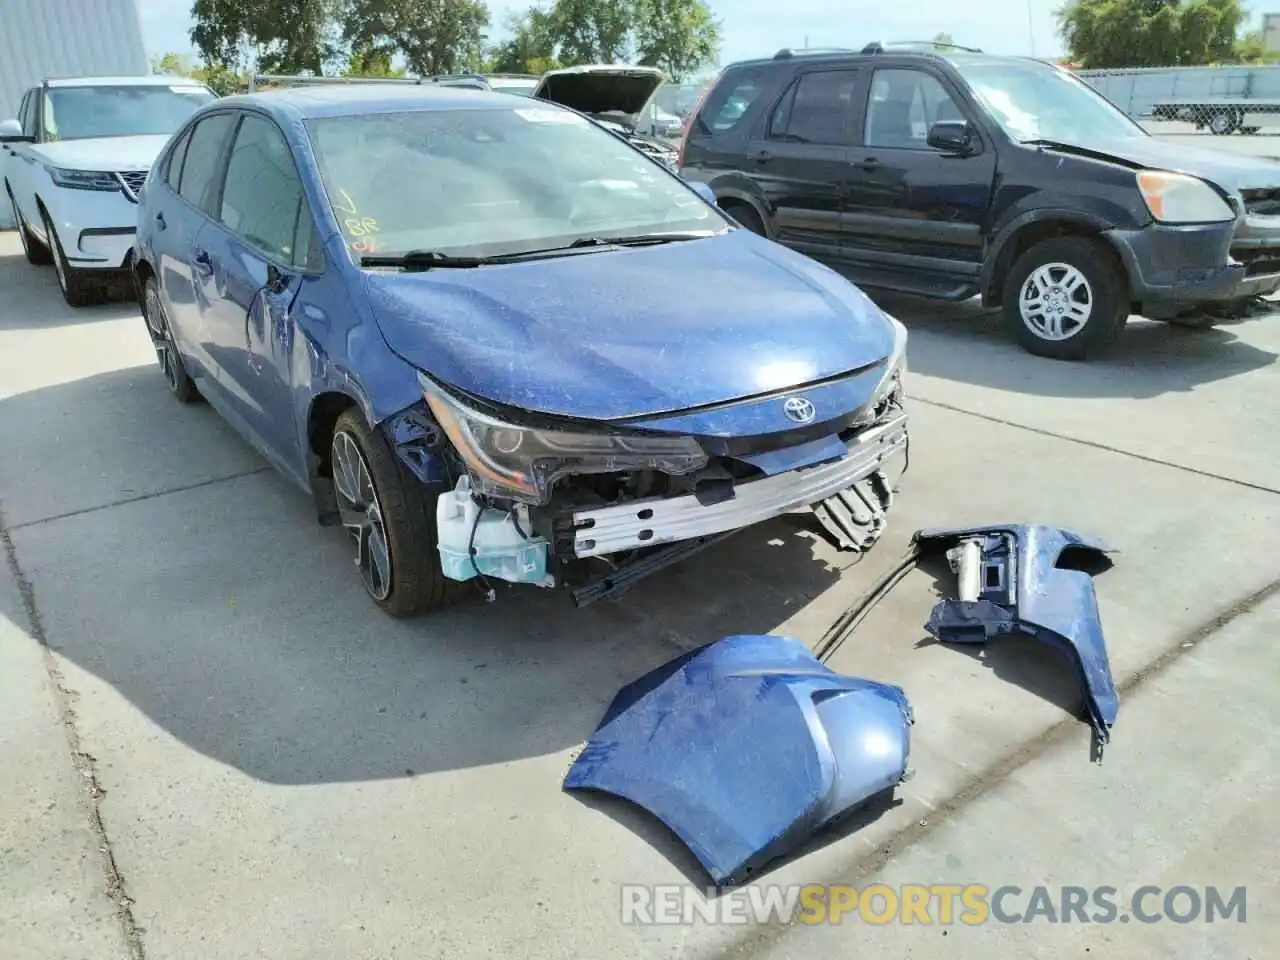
x=759 y=27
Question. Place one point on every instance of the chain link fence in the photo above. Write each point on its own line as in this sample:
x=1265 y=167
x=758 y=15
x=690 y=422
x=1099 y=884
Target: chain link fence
x=1218 y=101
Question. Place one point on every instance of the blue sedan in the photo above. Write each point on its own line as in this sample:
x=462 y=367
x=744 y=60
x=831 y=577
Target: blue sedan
x=496 y=343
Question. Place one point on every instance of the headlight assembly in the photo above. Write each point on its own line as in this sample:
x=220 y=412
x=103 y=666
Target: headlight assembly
x=1178 y=198
x=84 y=179
x=522 y=463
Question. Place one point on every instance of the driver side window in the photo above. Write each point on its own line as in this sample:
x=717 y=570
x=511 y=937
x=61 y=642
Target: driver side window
x=903 y=105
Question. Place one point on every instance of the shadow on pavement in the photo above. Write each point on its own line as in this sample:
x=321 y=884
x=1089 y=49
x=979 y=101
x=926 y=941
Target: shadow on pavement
x=233 y=622
x=968 y=344
x=32 y=299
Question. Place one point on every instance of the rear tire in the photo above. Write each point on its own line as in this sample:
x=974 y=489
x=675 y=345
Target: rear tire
x=391 y=517
x=172 y=365
x=1066 y=299
x=35 y=251
x=77 y=289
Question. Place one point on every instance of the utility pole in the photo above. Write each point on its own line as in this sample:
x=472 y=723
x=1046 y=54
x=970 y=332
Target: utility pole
x=1031 y=29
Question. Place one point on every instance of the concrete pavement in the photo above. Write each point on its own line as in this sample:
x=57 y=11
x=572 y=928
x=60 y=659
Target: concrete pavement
x=281 y=772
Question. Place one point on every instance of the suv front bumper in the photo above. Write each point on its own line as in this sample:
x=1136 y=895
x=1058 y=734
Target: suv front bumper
x=1176 y=268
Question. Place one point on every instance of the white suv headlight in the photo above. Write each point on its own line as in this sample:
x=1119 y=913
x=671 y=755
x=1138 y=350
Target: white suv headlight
x=1179 y=198
x=84 y=179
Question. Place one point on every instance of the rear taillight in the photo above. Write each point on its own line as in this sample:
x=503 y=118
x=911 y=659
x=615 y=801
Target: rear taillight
x=693 y=115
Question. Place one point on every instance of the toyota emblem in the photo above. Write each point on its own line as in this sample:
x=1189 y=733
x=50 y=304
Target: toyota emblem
x=799 y=409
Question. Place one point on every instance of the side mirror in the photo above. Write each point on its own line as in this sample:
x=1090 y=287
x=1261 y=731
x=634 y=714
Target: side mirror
x=11 y=132
x=703 y=190
x=951 y=136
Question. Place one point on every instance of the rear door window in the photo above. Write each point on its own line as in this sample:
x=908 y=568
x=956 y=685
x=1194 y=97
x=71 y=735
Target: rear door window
x=173 y=170
x=819 y=108
x=204 y=151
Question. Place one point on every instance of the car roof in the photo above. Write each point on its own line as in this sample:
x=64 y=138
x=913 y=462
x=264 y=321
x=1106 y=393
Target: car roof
x=844 y=56
x=149 y=80
x=343 y=100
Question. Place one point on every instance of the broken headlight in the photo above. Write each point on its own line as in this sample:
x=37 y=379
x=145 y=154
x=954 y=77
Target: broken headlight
x=522 y=463
x=894 y=368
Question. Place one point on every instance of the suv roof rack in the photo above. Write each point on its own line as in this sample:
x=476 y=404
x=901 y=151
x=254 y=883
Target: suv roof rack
x=926 y=46
x=786 y=52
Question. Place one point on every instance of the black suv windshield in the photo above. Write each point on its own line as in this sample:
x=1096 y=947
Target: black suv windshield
x=80 y=113
x=493 y=182
x=1034 y=101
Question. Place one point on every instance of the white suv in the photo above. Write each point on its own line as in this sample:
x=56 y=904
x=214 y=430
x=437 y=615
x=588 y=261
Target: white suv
x=73 y=163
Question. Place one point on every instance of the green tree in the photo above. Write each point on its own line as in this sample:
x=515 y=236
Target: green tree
x=1150 y=33
x=283 y=36
x=593 y=31
x=1252 y=48
x=531 y=48
x=433 y=36
x=219 y=79
x=679 y=36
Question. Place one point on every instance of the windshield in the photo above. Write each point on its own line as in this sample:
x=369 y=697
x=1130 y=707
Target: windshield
x=1034 y=101
x=489 y=182
x=78 y=113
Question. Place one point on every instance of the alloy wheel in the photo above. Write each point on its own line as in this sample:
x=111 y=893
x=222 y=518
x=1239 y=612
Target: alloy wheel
x=1056 y=301
x=158 y=327
x=361 y=514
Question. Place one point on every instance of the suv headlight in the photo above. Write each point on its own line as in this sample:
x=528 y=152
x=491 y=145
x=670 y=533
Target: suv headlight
x=522 y=463
x=1179 y=198
x=84 y=179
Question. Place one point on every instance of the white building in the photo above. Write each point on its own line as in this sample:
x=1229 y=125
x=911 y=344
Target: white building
x=65 y=38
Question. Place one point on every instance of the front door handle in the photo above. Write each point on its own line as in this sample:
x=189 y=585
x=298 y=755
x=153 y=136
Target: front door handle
x=203 y=262
x=760 y=156
x=867 y=164
x=160 y=221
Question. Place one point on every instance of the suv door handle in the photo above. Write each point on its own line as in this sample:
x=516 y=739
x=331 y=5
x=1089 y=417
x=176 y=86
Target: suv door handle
x=760 y=156
x=867 y=164
x=160 y=222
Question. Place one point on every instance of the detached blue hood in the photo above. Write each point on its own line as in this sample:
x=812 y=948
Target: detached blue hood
x=613 y=335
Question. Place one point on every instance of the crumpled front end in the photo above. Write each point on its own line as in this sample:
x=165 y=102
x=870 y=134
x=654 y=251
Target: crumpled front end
x=598 y=506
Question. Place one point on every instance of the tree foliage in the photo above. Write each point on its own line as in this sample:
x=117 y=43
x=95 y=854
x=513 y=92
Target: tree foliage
x=380 y=37
x=679 y=36
x=219 y=79
x=1102 y=34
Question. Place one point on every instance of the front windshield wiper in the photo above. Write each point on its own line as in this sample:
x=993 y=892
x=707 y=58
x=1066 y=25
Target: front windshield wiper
x=637 y=240
x=431 y=259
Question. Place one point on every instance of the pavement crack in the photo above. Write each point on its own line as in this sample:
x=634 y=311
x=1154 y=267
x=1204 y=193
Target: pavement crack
x=763 y=938
x=1096 y=445
x=125 y=501
x=82 y=761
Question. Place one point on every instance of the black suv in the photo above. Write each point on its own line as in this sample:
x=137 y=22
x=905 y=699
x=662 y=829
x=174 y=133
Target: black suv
x=952 y=173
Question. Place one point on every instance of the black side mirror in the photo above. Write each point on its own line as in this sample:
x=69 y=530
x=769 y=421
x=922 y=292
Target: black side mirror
x=951 y=136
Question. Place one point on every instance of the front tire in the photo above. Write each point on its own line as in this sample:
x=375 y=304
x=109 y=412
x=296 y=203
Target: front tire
x=77 y=289
x=35 y=251
x=172 y=366
x=391 y=517
x=1066 y=299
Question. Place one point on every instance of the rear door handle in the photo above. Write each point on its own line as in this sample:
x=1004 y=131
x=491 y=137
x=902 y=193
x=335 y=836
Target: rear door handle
x=760 y=156
x=160 y=222
x=203 y=262
x=867 y=163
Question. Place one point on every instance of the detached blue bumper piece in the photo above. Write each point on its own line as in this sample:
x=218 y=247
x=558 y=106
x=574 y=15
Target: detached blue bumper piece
x=1031 y=580
x=747 y=747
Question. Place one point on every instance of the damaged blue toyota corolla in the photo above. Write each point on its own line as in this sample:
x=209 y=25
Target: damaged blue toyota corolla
x=496 y=342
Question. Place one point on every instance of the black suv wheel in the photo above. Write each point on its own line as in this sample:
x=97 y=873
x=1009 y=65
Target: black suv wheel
x=1065 y=299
